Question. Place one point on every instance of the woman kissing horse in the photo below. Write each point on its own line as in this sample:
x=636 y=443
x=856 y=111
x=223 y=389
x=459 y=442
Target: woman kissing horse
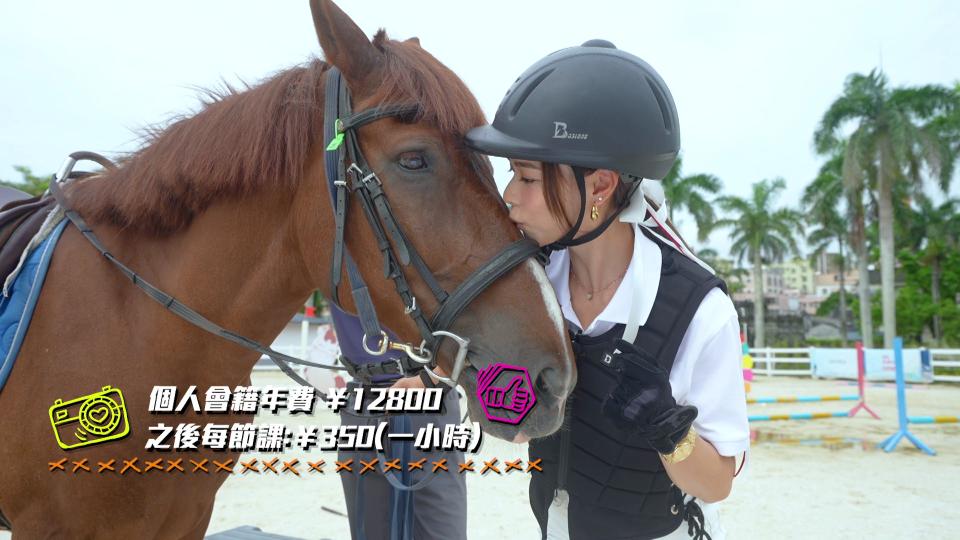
x=230 y=212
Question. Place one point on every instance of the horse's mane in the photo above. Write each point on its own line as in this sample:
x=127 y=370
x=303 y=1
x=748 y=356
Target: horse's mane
x=256 y=138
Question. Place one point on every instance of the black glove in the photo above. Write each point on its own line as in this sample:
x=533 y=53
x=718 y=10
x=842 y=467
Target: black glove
x=643 y=403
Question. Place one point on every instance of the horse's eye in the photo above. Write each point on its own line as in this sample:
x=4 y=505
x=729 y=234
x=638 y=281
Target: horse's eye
x=413 y=161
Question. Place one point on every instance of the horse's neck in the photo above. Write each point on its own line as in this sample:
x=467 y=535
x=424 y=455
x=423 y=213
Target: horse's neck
x=237 y=264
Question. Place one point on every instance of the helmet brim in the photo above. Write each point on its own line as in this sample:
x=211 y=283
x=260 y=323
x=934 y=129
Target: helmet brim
x=491 y=141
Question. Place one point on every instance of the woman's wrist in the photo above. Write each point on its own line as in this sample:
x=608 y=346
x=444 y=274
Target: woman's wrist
x=684 y=448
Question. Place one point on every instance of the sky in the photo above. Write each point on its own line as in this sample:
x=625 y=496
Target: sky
x=751 y=79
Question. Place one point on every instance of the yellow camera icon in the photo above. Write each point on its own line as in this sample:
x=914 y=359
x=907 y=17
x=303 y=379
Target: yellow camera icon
x=90 y=419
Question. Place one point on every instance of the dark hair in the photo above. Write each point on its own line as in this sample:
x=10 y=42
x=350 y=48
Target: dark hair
x=553 y=192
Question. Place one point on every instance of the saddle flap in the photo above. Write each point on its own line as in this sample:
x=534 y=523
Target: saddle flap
x=19 y=222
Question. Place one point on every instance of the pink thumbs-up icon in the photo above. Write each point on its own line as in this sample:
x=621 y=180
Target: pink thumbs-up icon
x=517 y=396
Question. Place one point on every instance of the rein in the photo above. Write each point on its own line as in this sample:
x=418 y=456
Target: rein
x=167 y=301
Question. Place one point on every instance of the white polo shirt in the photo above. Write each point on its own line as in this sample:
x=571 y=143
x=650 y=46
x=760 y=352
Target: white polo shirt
x=707 y=372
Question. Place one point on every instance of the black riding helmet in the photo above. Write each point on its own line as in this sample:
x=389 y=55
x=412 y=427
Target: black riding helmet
x=591 y=107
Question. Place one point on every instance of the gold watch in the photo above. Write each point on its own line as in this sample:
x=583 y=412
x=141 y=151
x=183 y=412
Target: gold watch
x=684 y=448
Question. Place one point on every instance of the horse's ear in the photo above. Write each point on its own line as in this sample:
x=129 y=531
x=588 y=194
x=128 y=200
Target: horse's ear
x=345 y=45
x=414 y=40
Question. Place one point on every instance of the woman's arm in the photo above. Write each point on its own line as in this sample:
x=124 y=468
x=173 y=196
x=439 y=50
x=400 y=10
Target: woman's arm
x=710 y=357
x=705 y=474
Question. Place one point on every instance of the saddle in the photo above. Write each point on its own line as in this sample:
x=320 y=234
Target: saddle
x=21 y=217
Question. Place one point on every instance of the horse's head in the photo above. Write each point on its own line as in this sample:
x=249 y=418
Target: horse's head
x=448 y=207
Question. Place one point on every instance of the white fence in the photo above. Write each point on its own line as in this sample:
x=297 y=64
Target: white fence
x=945 y=358
x=766 y=361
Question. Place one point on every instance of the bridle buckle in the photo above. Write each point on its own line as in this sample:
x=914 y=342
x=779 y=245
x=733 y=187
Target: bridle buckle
x=366 y=179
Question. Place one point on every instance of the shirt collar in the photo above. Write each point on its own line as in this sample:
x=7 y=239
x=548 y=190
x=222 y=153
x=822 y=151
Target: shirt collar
x=642 y=280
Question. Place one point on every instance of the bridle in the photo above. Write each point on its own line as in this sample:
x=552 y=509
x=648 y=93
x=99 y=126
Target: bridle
x=357 y=178
x=349 y=173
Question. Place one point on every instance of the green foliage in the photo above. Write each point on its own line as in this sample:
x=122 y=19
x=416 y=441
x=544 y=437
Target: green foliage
x=915 y=306
x=915 y=311
x=826 y=343
x=901 y=135
x=732 y=275
x=759 y=230
x=830 y=306
x=319 y=302
x=30 y=183
x=951 y=323
x=906 y=124
x=691 y=194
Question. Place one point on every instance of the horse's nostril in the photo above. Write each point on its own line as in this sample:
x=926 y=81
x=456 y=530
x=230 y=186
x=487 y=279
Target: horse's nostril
x=549 y=385
x=541 y=385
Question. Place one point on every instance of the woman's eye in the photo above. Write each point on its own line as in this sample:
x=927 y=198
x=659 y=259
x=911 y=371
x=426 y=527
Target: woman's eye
x=523 y=179
x=413 y=161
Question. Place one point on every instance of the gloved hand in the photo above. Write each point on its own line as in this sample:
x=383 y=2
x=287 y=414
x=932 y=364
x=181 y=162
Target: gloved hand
x=642 y=402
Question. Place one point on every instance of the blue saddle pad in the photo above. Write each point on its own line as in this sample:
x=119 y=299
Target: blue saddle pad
x=16 y=310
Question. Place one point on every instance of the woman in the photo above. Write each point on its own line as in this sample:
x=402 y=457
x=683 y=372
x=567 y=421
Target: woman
x=658 y=415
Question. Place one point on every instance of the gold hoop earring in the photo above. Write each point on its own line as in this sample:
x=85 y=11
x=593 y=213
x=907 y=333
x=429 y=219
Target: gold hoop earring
x=594 y=213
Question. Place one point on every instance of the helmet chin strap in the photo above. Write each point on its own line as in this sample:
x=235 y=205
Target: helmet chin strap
x=569 y=239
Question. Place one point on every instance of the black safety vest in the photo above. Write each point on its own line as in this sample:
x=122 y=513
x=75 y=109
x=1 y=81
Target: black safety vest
x=617 y=484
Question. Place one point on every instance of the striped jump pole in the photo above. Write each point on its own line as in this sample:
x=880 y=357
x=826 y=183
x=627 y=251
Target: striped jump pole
x=861 y=376
x=801 y=399
x=796 y=416
x=939 y=419
x=891 y=442
x=859 y=397
x=933 y=419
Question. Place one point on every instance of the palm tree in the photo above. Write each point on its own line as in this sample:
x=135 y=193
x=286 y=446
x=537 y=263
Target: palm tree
x=935 y=230
x=820 y=199
x=761 y=234
x=888 y=134
x=946 y=128
x=858 y=241
x=689 y=193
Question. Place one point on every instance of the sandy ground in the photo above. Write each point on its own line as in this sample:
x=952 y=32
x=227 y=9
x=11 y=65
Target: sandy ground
x=794 y=487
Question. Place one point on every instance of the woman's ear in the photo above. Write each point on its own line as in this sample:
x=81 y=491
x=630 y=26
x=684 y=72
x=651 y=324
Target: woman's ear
x=601 y=185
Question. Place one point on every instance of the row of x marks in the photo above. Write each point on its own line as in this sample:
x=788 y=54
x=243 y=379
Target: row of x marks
x=271 y=465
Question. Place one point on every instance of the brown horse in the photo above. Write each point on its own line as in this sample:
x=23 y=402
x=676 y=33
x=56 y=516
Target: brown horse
x=229 y=211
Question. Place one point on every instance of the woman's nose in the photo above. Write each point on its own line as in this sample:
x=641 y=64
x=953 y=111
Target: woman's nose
x=509 y=194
